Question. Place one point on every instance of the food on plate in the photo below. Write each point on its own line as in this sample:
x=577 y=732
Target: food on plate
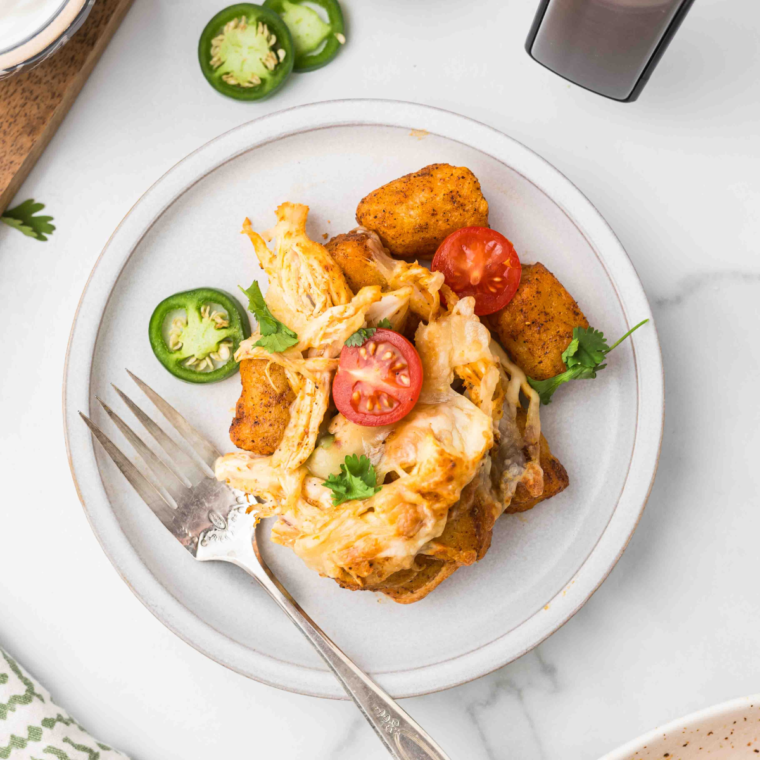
x=196 y=333
x=263 y=410
x=304 y=280
x=555 y=475
x=356 y=253
x=275 y=336
x=246 y=52
x=357 y=479
x=414 y=214
x=379 y=378
x=583 y=357
x=418 y=583
x=482 y=263
x=317 y=41
x=385 y=424
x=365 y=261
x=536 y=326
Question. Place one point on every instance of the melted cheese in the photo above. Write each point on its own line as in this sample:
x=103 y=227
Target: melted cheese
x=424 y=461
x=436 y=451
x=349 y=439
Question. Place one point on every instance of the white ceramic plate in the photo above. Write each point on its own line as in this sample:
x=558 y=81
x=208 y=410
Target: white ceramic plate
x=724 y=732
x=542 y=566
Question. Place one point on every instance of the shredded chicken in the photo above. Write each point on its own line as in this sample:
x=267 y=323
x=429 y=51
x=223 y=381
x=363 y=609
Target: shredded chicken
x=436 y=450
x=426 y=285
x=459 y=344
x=449 y=442
x=304 y=281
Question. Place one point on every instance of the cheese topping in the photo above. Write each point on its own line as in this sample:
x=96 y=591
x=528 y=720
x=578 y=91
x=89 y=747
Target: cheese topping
x=424 y=461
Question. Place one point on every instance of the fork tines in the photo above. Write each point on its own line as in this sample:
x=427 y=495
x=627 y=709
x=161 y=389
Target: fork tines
x=171 y=478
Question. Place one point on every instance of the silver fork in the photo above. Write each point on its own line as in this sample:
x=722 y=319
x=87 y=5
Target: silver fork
x=213 y=522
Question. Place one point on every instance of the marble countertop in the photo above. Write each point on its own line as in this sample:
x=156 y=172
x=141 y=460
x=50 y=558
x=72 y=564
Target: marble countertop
x=676 y=627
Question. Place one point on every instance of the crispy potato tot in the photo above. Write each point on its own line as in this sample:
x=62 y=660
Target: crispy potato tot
x=468 y=532
x=262 y=412
x=352 y=254
x=364 y=261
x=413 y=214
x=556 y=479
x=536 y=326
x=431 y=573
x=467 y=535
x=465 y=540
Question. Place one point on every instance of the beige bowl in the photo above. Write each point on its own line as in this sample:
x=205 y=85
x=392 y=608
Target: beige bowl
x=729 y=730
x=36 y=44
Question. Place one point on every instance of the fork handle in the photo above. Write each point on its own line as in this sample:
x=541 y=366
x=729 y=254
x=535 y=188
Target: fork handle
x=402 y=736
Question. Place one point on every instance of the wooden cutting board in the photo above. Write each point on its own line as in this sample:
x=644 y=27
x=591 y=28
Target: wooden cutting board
x=33 y=103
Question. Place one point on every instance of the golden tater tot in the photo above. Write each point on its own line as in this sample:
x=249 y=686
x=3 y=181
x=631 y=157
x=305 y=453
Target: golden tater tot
x=351 y=252
x=262 y=412
x=556 y=479
x=415 y=213
x=536 y=326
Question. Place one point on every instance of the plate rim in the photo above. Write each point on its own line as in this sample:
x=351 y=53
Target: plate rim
x=579 y=210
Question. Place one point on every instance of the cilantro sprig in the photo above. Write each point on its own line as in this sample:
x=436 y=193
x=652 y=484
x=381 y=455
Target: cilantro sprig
x=363 y=334
x=583 y=357
x=22 y=218
x=275 y=336
x=357 y=480
x=360 y=336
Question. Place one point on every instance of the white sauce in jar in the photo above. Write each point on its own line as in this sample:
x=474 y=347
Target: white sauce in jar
x=22 y=19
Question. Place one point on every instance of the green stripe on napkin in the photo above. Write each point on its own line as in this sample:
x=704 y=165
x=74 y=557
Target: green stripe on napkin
x=33 y=727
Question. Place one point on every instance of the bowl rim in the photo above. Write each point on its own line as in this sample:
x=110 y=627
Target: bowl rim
x=723 y=709
x=67 y=16
x=328 y=114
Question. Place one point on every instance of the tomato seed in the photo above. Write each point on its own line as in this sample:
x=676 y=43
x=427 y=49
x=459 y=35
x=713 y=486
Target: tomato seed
x=372 y=348
x=404 y=379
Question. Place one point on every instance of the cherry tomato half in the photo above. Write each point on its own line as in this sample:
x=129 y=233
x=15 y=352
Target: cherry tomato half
x=478 y=261
x=378 y=382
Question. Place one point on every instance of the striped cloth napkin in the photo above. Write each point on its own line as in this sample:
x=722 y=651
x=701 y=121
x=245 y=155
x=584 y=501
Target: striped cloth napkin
x=33 y=727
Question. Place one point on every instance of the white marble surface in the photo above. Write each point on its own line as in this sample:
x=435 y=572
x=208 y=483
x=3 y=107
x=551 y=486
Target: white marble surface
x=677 y=175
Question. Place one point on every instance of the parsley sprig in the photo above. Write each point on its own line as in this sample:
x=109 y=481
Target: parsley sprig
x=357 y=480
x=363 y=334
x=275 y=336
x=22 y=218
x=583 y=357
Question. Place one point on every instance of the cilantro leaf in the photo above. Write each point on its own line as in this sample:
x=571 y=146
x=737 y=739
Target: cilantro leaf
x=583 y=357
x=258 y=307
x=587 y=348
x=360 y=336
x=278 y=342
x=23 y=218
x=275 y=336
x=357 y=480
x=365 y=333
